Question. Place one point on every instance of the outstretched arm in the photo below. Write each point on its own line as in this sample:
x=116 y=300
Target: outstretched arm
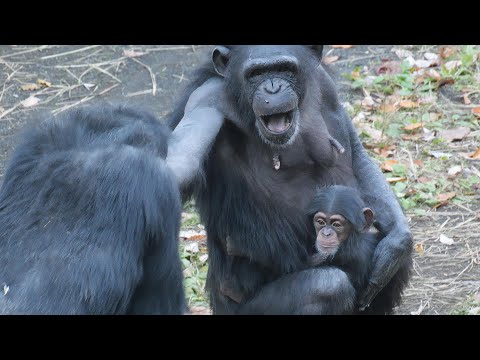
x=397 y=243
x=195 y=134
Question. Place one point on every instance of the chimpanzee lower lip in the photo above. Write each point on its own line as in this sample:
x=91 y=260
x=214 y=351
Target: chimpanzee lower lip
x=279 y=123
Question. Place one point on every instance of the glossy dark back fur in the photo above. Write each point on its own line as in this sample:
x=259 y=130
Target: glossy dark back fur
x=89 y=217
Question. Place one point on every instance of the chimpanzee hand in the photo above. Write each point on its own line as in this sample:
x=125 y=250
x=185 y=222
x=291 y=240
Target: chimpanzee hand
x=194 y=135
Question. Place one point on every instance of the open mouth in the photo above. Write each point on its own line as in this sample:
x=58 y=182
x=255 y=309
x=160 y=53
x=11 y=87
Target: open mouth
x=278 y=123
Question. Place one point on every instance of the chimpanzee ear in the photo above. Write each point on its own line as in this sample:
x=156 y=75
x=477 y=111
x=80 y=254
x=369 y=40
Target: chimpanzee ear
x=220 y=58
x=369 y=217
x=318 y=49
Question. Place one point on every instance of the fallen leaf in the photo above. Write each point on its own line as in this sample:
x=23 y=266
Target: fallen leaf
x=423 y=64
x=44 y=83
x=431 y=56
x=341 y=46
x=419 y=249
x=451 y=65
x=411 y=137
x=431 y=73
x=30 y=101
x=368 y=103
x=408 y=104
x=454 y=134
x=396 y=179
x=192 y=247
x=445 y=81
x=371 y=132
x=419 y=163
x=132 y=53
x=355 y=74
x=476 y=111
x=428 y=135
x=466 y=100
x=402 y=54
x=389 y=67
x=423 y=180
x=385 y=151
x=330 y=59
x=439 y=154
x=446 y=52
x=454 y=170
x=446 y=196
x=444 y=239
x=414 y=126
x=388 y=165
x=30 y=87
x=388 y=108
x=193 y=235
x=476 y=154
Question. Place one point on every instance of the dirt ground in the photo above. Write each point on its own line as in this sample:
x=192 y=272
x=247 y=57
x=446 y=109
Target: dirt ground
x=56 y=78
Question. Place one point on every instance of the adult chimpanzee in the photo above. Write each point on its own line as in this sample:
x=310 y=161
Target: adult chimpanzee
x=90 y=210
x=262 y=173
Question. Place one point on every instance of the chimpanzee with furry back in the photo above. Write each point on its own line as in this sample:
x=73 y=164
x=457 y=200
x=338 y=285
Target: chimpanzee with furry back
x=90 y=211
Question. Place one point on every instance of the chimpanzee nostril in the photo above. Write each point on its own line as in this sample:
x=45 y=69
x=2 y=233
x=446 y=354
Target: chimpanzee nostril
x=272 y=87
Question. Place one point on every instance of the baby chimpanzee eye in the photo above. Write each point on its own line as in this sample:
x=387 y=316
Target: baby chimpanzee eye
x=321 y=222
x=337 y=225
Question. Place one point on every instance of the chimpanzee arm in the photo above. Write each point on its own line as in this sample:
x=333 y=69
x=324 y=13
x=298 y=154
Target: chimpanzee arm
x=194 y=135
x=319 y=291
x=397 y=243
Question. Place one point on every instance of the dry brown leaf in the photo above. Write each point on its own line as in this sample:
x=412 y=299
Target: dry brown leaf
x=411 y=137
x=330 y=59
x=445 y=197
x=388 y=108
x=454 y=134
x=419 y=249
x=30 y=101
x=341 y=46
x=408 y=104
x=446 y=52
x=30 y=87
x=44 y=83
x=423 y=180
x=445 y=81
x=414 y=126
x=466 y=100
x=396 y=179
x=387 y=166
x=197 y=238
x=355 y=74
x=385 y=151
x=389 y=67
x=475 y=155
x=476 y=111
x=419 y=163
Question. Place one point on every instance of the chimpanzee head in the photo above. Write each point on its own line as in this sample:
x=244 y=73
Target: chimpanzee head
x=267 y=84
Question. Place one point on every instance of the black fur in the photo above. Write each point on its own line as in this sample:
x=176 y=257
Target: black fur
x=89 y=218
x=354 y=256
x=262 y=210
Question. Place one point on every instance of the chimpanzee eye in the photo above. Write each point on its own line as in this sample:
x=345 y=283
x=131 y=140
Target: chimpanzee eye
x=321 y=222
x=337 y=225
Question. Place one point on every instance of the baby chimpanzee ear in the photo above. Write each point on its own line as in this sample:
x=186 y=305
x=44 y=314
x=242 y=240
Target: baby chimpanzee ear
x=369 y=217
